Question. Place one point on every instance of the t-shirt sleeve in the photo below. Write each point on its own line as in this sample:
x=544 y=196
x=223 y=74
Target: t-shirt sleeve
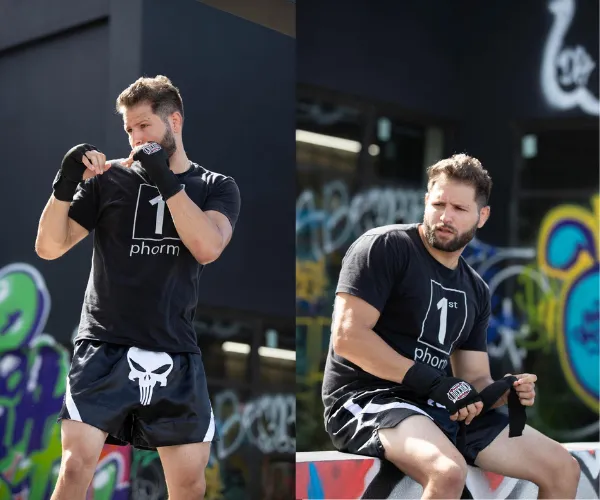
x=370 y=267
x=224 y=197
x=85 y=206
x=477 y=339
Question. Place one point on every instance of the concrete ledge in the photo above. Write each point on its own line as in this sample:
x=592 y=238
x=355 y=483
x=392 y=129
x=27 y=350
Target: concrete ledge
x=333 y=475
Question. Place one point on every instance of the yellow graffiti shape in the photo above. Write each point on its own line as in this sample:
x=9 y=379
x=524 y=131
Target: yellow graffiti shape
x=567 y=250
x=311 y=279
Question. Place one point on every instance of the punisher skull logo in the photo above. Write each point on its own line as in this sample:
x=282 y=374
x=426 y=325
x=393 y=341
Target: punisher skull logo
x=148 y=368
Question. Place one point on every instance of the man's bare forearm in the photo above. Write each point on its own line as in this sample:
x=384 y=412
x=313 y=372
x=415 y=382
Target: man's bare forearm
x=53 y=229
x=366 y=349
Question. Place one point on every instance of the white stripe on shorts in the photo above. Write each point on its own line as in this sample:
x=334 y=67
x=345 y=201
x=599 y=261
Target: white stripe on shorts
x=70 y=403
x=211 y=428
x=376 y=408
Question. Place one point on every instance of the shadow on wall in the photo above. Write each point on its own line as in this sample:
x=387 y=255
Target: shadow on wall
x=545 y=303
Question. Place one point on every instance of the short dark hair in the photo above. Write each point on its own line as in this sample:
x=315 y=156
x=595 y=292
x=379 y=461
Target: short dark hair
x=159 y=92
x=466 y=169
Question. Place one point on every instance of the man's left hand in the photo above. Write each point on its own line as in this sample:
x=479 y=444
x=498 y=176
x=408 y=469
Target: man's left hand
x=525 y=387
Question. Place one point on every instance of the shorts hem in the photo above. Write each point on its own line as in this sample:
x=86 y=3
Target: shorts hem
x=401 y=418
x=110 y=438
x=471 y=455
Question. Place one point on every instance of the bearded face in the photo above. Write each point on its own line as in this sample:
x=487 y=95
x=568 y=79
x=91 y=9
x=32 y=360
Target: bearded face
x=452 y=215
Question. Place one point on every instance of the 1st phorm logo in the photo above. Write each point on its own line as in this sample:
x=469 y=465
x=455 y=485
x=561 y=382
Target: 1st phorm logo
x=426 y=357
x=153 y=230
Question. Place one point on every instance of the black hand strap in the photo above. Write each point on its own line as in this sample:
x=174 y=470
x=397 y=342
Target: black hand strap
x=517 y=416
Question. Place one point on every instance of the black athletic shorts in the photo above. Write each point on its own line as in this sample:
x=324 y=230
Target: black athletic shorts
x=354 y=423
x=144 y=398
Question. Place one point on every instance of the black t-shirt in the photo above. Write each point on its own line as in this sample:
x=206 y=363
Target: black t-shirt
x=427 y=310
x=143 y=284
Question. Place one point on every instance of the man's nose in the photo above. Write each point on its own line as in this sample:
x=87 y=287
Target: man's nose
x=137 y=139
x=446 y=217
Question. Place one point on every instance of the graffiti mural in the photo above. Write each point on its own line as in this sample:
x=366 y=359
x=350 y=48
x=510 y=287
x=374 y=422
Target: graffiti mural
x=266 y=423
x=33 y=369
x=332 y=475
x=568 y=251
x=566 y=70
x=342 y=218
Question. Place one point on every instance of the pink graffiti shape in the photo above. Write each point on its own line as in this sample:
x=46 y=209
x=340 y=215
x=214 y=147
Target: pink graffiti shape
x=344 y=479
x=494 y=480
x=301 y=480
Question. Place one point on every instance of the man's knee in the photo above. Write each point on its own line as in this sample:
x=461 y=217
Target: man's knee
x=560 y=468
x=191 y=487
x=451 y=472
x=77 y=467
x=565 y=467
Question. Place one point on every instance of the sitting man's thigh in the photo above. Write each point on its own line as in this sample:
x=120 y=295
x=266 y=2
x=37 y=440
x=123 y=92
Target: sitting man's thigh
x=420 y=449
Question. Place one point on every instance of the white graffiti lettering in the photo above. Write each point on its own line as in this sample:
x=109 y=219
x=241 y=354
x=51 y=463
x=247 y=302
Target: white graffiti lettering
x=341 y=217
x=267 y=422
x=565 y=70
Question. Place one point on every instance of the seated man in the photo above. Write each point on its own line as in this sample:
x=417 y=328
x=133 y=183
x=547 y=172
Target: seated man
x=406 y=305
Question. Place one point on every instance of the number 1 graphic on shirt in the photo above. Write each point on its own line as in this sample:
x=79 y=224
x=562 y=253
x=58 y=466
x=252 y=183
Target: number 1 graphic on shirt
x=443 y=305
x=160 y=213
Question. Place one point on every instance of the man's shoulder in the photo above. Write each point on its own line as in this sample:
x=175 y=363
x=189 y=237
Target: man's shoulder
x=478 y=282
x=211 y=177
x=396 y=233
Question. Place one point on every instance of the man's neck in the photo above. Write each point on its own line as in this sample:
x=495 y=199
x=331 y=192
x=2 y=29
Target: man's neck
x=447 y=259
x=179 y=162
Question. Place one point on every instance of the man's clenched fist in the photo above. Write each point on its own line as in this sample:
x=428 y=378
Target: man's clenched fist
x=81 y=162
x=155 y=161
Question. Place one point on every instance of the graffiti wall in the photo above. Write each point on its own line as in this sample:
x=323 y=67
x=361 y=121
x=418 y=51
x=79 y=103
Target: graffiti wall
x=545 y=309
x=33 y=369
x=323 y=476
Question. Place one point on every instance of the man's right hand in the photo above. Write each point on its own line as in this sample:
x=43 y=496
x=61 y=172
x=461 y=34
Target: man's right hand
x=80 y=163
x=460 y=398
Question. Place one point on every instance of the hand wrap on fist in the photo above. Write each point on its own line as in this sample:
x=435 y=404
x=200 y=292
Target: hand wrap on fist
x=71 y=172
x=155 y=162
x=450 y=392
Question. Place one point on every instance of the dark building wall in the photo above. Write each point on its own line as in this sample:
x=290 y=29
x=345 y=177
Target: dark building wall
x=23 y=22
x=400 y=52
x=237 y=81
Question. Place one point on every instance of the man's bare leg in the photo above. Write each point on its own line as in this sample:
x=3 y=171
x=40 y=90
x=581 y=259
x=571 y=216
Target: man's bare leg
x=184 y=468
x=422 y=451
x=81 y=448
x=533 y=457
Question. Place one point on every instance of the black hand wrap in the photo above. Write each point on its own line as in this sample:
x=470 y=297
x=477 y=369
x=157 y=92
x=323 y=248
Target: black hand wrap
x=155 y=162
x=517 y=416
x=450 y=392
x=71 y=172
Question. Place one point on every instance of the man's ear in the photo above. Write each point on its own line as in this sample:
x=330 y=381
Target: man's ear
x=484 y=215
x=176 y=121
